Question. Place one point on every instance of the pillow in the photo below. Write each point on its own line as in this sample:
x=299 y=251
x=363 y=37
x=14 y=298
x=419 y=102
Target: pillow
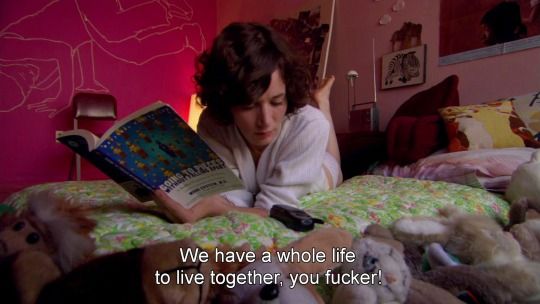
x=528 y=109
x=411 y=138
x=492 y=125
x=416 y=129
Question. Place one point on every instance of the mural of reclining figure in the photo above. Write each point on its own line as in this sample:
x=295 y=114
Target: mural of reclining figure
x=44 y=63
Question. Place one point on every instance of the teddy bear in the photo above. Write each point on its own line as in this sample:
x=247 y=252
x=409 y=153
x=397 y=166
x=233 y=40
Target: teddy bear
x=322 y=240
x=479 y=241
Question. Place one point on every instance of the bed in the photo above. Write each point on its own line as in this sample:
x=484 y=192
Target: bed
x=352 y=206
x=122 y=224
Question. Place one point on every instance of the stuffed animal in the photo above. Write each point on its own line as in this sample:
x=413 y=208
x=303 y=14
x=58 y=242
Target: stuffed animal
x=419 y=291
x=524 y=216
x=322 y=240
x=46 y=256
x=47 y=239
x=52 y=226
x=444 y=285
x=132 y=277
x=524 y=225
x=376 y=253
x=525 y=181
x=479 y=241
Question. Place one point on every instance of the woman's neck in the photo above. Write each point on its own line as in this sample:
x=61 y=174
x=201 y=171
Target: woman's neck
x=256 y=154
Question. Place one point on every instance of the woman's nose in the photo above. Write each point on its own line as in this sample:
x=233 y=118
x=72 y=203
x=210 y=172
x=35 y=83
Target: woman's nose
x=264 y=116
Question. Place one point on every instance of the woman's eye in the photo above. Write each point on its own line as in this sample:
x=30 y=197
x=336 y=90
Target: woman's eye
x=248 y=106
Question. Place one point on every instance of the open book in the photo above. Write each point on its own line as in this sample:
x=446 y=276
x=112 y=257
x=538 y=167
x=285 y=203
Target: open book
x=151 y=149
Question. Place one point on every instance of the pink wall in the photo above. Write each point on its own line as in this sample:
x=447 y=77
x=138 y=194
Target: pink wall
x=139 y=51
x=356 y=23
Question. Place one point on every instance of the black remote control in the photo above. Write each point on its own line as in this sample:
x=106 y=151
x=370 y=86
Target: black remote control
x=294 y=218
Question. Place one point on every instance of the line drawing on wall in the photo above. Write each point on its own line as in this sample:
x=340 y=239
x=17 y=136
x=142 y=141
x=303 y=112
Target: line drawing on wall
x=48 y=54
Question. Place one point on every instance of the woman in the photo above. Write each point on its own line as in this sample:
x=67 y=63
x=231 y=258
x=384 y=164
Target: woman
x=257 y=118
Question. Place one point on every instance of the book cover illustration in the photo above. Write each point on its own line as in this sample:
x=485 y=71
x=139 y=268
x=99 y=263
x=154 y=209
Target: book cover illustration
x=164 y=152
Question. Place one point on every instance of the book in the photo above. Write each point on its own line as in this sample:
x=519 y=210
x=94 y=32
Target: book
x=154 y=148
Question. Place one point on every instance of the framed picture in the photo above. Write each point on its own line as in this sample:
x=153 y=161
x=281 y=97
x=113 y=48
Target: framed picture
x=404 y=68
x=474 y=29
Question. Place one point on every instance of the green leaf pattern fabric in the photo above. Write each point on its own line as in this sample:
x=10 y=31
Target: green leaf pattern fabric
x=124 y=223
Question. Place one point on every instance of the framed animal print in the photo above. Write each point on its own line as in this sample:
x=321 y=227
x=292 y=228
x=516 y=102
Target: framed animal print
x=404 y=68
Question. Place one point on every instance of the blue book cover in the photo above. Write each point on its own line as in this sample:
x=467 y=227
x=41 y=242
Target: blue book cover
x=156 y=148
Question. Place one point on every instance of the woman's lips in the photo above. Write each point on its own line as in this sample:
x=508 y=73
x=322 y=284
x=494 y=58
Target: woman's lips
x=263 y=134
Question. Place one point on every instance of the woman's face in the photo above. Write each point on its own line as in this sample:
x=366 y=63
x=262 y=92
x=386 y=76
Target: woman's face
x=260 y=122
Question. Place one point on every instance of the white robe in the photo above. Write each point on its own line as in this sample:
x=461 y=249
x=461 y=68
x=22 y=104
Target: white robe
x=290 y=167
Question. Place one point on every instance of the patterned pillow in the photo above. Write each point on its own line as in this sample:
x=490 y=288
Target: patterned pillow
x=486 y=126
x=528 y=108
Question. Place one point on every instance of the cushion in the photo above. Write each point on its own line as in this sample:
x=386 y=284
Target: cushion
x=414 y=138
x=528 y=109
x=419 y=116
x=427 y=102
x=485 y=126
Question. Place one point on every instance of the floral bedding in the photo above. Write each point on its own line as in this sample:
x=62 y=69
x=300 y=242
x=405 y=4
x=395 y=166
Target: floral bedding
x=124 y=223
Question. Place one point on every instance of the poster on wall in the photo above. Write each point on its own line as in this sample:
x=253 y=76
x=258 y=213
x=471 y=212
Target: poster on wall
x=404 y=68
x=474 y=29
x=308 y=29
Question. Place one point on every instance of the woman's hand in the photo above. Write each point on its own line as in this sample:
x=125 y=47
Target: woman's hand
x=205 y=207
x=208 y=206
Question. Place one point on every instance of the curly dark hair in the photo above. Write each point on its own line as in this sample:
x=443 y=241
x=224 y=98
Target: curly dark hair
x=237 y=70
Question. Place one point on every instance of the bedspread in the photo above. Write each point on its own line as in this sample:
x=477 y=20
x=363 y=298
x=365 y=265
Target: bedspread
x=354 y=205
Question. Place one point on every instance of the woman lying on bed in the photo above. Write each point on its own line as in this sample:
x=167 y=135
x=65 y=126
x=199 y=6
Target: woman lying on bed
x=257 y=119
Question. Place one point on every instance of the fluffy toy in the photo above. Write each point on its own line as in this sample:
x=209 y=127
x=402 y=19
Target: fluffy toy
x=525 y=181
x=467 y=282
x=45 y=258
x=49 y=225
x=378 y=252
x=419 y=291
x=323 y=240
x=130 y=277
x=47 y=239
x=524 y=225
x=481 y=242
x=444 y=284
